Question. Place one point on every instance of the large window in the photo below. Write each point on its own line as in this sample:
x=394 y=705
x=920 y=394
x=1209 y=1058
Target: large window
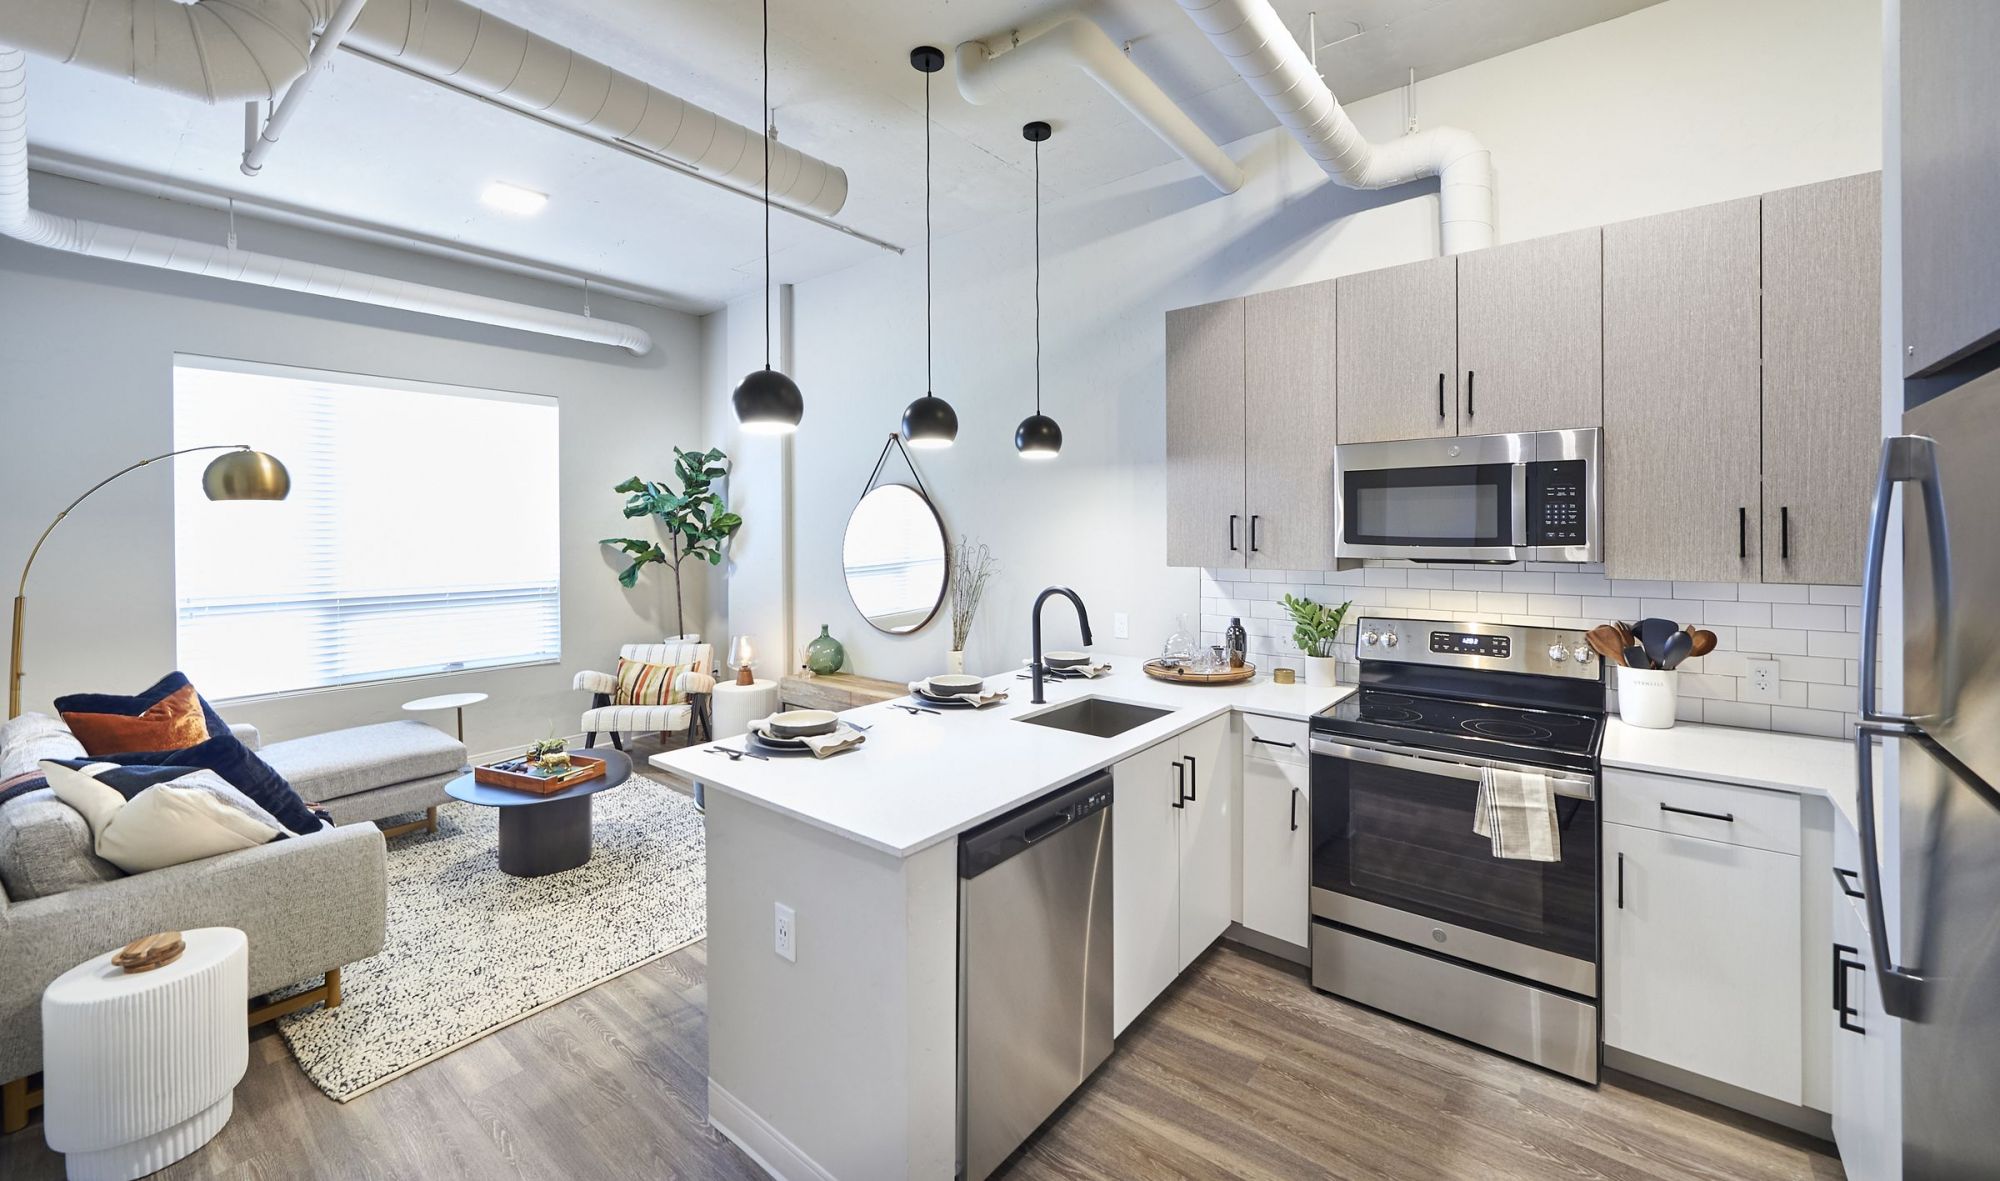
x=421 y=535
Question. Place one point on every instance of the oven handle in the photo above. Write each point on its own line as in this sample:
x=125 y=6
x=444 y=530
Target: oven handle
x=1576 y=787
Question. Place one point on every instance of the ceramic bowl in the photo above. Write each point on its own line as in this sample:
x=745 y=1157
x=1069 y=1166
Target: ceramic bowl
x=1065 y=659
x=954 y=685
x=801 y=723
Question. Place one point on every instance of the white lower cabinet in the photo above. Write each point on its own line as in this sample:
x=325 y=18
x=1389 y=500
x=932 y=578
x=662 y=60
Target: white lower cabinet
x=1277 y=838
x=1701 y=957
x=1171 y=840
x=1867 y=1043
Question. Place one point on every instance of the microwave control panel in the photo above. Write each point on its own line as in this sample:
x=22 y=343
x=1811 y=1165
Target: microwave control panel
x=1556 y=502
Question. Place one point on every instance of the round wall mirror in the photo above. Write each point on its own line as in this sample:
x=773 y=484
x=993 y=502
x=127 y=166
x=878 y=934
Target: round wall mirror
x=894 y=559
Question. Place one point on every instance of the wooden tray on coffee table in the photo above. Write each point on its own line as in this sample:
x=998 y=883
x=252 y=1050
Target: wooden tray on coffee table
x=1184 y=676
x=583 y=768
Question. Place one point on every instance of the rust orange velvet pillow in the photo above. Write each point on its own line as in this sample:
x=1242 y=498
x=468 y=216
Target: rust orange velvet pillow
x=175 y=722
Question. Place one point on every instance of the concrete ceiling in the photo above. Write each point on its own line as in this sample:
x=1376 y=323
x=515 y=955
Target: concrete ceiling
x=380 y=147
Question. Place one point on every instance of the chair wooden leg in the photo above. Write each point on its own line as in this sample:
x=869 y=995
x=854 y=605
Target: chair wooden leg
x=17 y=1099
x=332 y=985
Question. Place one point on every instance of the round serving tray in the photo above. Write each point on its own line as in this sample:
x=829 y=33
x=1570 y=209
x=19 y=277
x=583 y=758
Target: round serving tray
x=1182 y=676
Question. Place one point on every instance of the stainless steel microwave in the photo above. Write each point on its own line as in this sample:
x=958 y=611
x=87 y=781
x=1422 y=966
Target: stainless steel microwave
x=1475 y=498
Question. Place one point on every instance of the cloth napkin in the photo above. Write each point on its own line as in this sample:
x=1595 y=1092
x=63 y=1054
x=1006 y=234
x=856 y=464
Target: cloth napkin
x=1516 y=811
x=986 y=697
x=840 y=738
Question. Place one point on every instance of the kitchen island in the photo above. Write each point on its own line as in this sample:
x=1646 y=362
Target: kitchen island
x=842 y=1060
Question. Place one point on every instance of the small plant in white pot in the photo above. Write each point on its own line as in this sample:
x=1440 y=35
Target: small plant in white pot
x=1315 y=629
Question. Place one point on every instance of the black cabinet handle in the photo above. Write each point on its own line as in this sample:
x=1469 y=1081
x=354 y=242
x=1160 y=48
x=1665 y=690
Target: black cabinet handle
x=1742 y=532
x=1468 y=393
x=1440 y=395
x=1269 y=742
x=1725 y=817
x=1841 y=966
x=1785 y=532
x=1232 y=532
x=1295 y=809
x=1180 y=785
x=1254 y=518
x=1848 y=887
x=1621 y=881
x=1193 y=780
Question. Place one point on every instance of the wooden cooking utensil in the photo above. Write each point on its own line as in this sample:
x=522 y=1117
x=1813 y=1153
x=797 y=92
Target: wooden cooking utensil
x=1626 y=639
x=1704 y=641
x=1605 y=641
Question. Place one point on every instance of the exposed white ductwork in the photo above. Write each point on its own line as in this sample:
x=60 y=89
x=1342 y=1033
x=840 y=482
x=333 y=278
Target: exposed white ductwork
x=18 y=219
x=987 y=69
x=1256 y=42
x=222 y=50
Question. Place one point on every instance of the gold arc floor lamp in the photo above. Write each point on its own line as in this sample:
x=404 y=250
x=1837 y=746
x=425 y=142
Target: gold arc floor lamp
x=240 y=474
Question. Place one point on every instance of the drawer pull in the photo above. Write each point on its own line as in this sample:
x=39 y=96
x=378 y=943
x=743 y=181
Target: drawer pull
x=1847 y=887
x=1295 y=809
x=1725 y=817
x=1841 y=964
x=1271 y=742
x=1621 y=881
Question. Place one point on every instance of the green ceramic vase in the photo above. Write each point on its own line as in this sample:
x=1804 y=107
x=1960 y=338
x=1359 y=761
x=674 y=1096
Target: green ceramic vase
x=825 y=655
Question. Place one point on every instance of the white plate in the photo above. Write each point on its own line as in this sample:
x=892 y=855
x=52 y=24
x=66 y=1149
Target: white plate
x=769 y=739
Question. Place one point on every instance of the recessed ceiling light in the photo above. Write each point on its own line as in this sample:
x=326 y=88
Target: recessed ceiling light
x=513 y=198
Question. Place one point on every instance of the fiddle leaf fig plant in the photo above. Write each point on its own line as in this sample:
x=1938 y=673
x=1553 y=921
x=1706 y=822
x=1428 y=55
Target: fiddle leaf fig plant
x=1315 y=625
x=695 y=519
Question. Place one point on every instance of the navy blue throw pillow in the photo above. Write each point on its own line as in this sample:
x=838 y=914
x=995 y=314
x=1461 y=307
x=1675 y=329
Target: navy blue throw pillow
x=132 y=706
x=240 y=766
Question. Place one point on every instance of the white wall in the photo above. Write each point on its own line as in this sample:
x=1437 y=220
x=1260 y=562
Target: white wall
x=87 y=349
x=1680 y=104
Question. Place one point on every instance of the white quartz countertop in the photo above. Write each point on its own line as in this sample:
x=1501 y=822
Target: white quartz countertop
x=920 y=779
x=1755 y=758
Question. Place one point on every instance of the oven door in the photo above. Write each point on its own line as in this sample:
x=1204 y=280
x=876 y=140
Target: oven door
x=1438 y=499
x=1394 y=855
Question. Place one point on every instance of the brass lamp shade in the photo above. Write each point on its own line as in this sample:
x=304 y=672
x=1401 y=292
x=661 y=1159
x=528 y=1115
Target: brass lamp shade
x=246 y=475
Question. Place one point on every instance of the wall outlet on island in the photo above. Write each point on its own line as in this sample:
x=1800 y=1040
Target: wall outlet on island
x=1121 y=625
x=1761 y=683
x=788 y=935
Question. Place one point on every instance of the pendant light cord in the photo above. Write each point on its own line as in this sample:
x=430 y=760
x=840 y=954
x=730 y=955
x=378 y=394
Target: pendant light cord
x=929 y=387
x=767 y=184
x=1038 y=276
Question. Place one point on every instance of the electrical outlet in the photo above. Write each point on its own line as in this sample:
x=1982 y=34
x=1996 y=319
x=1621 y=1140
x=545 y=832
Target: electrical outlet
x=788 y=935
x=1121 y=625
x=1762 y=682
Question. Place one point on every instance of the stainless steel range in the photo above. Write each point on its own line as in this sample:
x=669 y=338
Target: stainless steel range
x=1412 y=912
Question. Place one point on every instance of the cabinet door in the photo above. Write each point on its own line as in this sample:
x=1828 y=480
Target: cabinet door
x=1822 y=376
x=1207 y=845
x=1531 y=335
x=1205 y=525
x=1277 y=847
x=1701 y=958
x=1681 y=430
x=1867 y=1059
x=1288 y=422
x=1145 y=880
x=1951 y=180
x=1395 y=354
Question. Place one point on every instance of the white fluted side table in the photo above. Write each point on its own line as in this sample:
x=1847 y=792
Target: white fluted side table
x=139 y=1069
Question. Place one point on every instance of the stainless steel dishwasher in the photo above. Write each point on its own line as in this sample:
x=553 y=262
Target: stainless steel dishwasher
x=1034 y=966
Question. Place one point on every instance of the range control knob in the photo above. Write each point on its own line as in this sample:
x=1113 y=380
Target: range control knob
x=1557 y=652
x=1390 y=639
x=1581 y=653
x=1369 y=638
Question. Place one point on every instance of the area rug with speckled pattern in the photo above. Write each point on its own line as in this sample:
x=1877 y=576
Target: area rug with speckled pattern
x=470 y=949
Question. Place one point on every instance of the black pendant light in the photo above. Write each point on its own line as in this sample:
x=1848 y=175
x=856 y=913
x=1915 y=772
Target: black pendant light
x=1038 y=436
x=929 y=421
x=767 y=402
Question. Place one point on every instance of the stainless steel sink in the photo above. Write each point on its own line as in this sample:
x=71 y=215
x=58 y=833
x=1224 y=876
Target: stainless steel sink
x=1096 y=716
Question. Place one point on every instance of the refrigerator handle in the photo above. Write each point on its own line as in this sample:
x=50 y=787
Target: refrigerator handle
x=1899 y=985
x=1910 y=459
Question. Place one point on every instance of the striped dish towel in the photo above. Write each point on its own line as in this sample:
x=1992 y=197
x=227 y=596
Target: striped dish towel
x=1516 y=810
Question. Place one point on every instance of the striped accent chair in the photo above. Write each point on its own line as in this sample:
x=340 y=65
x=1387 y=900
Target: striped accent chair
x=696 y=684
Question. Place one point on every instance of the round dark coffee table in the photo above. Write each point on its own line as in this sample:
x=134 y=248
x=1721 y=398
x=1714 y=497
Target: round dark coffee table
x=543 y=834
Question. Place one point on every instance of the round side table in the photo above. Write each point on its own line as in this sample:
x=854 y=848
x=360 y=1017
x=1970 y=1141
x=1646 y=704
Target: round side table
x=736 y=706
x=139 y=1069
x=456 y=702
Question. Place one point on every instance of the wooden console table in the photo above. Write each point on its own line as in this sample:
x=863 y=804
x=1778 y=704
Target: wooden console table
x=835 y=691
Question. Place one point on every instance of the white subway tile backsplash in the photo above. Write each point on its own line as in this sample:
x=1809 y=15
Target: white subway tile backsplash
x=1812 y=669
x=1398 y=597
x=1681 y=611
x=1840 y=697
x=1771 y=592
x=1826 y=618
x=1531 y=584
x=1842 y=644
x=1639 y=588
x=1477 y=580
x=1558 y=605
x=1738 y=614
x=1844 y=596
x=1380 y=576
x=1772 y=641
x=1455 y=602
x=1497 y=603
x=1824 y=723
x=1750 y=715
x=1608 y=609
x=1431 y=579
x=1582 y=584
x=1704 y=590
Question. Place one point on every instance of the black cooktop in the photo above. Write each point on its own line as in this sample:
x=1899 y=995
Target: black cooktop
x=1545 y=737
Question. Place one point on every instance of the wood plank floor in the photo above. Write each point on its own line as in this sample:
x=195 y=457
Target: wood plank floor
x=1241 y=1071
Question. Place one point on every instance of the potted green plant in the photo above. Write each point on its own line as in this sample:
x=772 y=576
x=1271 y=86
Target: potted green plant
x=1315 y=629
x=695 y=519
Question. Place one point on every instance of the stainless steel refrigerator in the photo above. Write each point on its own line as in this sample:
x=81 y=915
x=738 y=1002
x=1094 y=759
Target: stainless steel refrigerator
x=1940 y=973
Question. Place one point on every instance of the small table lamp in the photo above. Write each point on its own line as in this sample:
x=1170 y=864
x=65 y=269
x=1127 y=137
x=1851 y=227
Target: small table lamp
x=741 y=655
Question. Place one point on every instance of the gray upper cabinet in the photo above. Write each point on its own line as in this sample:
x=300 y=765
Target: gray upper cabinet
x=1681 y=432
x=1396 y=352
x=1205 y=525
x=1822 y=376
x=1951 y=180
x=1289 y=428
x=1530 y=352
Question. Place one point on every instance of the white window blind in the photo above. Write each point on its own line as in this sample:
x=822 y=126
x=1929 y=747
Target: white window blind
x=421 y=534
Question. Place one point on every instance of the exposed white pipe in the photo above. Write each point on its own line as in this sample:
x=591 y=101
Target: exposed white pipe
x=20 y=220
x=987 y=69
x=259 y=147
x=1256 y=42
